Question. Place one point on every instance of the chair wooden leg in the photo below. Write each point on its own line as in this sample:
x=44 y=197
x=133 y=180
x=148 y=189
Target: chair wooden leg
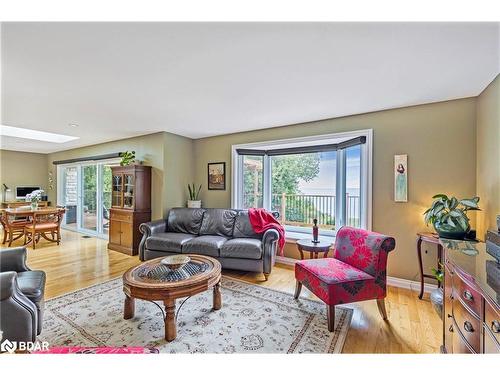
x=381 y=308
x=33 y=238
x=11 y=237
x=298 y=288
x=4 y=236
x=266 y=276
x=330 y=316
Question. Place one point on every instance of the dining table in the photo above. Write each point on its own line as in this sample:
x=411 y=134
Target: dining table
x=29 y=215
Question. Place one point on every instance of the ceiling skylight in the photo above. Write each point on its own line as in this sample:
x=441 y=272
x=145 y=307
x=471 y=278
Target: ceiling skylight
x=12 y=131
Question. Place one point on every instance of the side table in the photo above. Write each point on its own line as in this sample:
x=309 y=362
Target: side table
x=313 y=248
x=432 y=238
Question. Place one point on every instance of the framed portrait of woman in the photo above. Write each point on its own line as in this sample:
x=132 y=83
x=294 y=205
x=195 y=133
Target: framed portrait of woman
x=401 y=178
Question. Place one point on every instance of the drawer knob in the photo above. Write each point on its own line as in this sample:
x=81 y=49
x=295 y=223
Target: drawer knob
x=468 y=326
x=451 y=328
x=468 y=295
x=450 y=316
x=495 y=326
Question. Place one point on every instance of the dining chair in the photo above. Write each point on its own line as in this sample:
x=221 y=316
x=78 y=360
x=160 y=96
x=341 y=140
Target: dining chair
x=13 y=227
x=42 y=225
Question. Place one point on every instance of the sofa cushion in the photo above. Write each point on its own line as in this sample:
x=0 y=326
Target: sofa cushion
x=246 y=248
x=204 y=245
x=168 y=241
x=218 y=222
x=185 y=220
x=243 y=228
x=32 y=284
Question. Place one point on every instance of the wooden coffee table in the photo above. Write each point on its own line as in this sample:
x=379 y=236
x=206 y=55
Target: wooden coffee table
x=151 y=281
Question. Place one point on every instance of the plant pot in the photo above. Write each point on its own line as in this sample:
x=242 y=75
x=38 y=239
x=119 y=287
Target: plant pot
x=194 y=204
x=34 y=205
x=447 y=231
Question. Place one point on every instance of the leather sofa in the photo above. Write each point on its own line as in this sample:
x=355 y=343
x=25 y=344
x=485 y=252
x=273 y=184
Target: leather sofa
x=21 y=297
x=223 y=234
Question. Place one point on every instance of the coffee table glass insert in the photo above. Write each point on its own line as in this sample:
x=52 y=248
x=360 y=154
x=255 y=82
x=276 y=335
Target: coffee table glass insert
x=162 y=273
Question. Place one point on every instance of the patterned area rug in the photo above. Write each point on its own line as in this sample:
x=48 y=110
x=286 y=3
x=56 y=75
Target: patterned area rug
x=253 y=319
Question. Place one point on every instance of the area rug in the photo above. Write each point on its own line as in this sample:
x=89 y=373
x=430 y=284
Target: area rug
x=253 y=319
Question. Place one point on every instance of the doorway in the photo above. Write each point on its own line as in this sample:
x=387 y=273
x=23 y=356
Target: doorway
x=85 y=190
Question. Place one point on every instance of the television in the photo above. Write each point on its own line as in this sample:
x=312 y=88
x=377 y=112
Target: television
x=22 y=191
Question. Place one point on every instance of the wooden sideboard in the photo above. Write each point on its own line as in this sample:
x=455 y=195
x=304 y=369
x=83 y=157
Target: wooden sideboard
x=15 y=204
x=471 y=314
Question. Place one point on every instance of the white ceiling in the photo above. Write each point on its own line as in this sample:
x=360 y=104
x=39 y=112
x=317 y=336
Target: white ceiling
x=118 y=80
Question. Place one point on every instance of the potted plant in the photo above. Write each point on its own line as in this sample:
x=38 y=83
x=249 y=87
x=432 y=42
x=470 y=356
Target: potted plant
x=194 y=194
x=449 y=217
x=34 y=197
x=128 y=157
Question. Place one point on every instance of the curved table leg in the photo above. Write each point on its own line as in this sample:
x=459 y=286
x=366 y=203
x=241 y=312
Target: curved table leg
x=421 y=268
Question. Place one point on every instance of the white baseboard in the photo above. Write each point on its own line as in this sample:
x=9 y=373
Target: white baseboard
x=286 y=260
x=409 y=284
x=392 y=281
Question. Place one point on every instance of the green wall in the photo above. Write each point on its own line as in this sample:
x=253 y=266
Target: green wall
x=488 y=156
x=22 y=168
x=440 y=142
x=169 y=155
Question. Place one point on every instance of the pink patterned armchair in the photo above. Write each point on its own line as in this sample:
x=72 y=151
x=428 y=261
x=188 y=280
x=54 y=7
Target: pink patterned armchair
x=357 y=272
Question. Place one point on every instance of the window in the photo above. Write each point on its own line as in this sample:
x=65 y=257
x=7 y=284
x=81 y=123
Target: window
x=327 y=178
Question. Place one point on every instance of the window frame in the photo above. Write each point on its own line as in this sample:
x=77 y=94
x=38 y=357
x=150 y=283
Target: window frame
x=365 y=171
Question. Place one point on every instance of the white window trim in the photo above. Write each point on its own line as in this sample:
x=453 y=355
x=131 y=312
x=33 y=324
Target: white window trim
x=366 y=165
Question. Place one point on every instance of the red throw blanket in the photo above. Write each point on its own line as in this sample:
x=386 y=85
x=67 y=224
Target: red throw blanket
x=262 y=220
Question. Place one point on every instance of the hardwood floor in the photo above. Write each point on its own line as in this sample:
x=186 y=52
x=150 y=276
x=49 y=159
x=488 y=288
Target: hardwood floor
x=413 y=326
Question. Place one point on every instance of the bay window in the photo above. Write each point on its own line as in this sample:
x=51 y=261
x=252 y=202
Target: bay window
x=327 y=178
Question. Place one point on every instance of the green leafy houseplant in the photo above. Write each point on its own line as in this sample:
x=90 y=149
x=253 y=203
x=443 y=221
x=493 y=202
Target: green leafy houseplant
x=449 y=217
x=128 y=157
x=438 y=273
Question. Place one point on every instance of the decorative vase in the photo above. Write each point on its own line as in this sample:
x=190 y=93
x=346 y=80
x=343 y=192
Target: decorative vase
x=447 y=231
x=194 y=204
x=34 y=205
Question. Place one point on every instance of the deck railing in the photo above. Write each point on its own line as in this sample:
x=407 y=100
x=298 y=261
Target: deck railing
x=301 y=209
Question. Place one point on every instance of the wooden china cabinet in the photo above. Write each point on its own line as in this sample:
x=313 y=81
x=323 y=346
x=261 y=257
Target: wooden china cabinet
x=130 y=207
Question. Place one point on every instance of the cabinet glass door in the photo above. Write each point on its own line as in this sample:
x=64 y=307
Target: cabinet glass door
x=117 y=190
x=128 y=191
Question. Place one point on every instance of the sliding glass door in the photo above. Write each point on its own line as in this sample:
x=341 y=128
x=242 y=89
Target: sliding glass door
x=85 y=190
x=88 y=198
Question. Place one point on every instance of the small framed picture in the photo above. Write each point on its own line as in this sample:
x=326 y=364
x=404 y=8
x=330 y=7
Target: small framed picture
x=217 y=176
x=401 y=178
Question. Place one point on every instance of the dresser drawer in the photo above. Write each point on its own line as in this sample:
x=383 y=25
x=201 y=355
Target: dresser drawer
x=492 y=321
x=122 y=216
x=468 y=325
x=468 y=295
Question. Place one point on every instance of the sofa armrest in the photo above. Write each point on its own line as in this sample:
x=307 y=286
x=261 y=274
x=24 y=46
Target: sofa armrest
x=13 y=260
x=147 y=230
x=19 y=315
x=269 y=247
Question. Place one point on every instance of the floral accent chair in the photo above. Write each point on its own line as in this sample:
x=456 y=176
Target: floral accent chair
x=357 y=272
